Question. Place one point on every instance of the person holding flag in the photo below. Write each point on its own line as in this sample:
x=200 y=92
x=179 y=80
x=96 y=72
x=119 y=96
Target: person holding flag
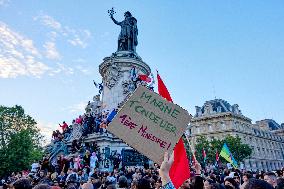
x=167 y=182
x=179 y=170
x=217 y=159
x=204 y=156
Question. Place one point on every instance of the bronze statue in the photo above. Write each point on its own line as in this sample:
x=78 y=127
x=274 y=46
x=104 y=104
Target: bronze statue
x=127 y=39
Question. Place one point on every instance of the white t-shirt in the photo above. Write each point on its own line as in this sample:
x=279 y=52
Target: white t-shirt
x=35 y=167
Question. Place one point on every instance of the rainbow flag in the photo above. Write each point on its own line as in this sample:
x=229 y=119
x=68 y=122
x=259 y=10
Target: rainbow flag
x=227 y=155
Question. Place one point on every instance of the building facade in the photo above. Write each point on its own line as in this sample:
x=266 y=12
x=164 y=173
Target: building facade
x=218 y=119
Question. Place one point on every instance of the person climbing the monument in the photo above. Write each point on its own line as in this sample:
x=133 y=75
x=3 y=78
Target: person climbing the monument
x=98 y=121
x=116 y=159
x=55 y=136
x=127 y=39
x=133 y=74
x=79 y=120
x=75 y=146
x=99 y=85
x=64 y=126
x=93 y=161
x=87 y=158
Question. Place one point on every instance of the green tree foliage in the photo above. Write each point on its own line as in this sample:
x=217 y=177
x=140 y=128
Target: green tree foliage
x=19 y=140
x=239 y=150
x=202 y=143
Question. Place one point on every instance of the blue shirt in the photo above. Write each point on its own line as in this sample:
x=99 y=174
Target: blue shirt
x=169 y=185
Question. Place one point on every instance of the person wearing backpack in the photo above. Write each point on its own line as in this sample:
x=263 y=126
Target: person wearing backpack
x=72 y=177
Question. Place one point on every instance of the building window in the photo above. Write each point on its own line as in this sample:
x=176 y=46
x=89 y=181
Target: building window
x=210 y=128
x=197 y=130
x=223 y=125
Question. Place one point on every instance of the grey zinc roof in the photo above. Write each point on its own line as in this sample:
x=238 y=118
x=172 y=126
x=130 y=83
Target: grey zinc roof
x=224 y=105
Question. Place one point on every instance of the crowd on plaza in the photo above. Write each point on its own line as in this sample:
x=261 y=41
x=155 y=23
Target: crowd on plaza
x=87 y=176
x=82 y=168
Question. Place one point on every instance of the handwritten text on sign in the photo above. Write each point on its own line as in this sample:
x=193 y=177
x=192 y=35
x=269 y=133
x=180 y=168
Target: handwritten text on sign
x=150 y=124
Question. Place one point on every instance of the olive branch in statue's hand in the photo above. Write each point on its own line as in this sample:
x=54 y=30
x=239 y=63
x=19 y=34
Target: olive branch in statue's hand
x=111 y=12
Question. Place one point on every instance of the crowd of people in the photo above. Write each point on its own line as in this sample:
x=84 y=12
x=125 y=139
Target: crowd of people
x=88 y=176
x=96 y=118
x=89 y=123
x=81 y=168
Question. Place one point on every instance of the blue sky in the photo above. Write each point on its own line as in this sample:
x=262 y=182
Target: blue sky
x=50 y=52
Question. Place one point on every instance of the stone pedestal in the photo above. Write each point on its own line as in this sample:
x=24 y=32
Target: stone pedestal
x=107 y=140
x=115 y=71
x=118 y=83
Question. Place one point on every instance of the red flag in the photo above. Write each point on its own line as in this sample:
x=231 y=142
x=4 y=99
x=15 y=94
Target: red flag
x=217 y=156
x=145 y=78
x=217 y=159
x=179 y=171
x=204 y=155
x=163 y=91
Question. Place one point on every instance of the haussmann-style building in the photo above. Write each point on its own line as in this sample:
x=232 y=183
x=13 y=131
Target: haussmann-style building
x=218 y=119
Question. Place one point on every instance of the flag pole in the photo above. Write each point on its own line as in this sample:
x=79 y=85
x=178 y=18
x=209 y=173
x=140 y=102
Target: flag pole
x=190 y=146
x=180 y=170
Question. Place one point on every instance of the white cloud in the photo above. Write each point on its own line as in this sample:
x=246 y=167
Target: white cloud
x=61 y=68
x=77 y=42
x=75 y=37
x=18 y=55
x=51 y=51
x=48 y=21
x=83 y=70
x=78 y=108
x=79 y=37
x=46 y=130
x=52 y=35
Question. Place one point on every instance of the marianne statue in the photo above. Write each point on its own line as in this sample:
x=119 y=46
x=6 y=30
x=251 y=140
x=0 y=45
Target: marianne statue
x=127 y=39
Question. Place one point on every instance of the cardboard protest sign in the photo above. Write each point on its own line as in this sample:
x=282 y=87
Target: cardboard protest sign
x=150 y=124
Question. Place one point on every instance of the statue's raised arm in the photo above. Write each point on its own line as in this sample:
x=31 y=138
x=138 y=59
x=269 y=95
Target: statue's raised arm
x=111 y=12
x=127 y=39
x=114 y=20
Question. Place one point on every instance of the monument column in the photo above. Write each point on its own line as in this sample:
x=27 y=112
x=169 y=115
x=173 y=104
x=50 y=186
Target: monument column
x=116 y=73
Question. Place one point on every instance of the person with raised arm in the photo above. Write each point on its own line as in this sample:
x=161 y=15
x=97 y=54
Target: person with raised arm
x=164 y=172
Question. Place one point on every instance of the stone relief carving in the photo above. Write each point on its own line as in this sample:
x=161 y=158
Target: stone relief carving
x=113 y=73
x=125 y=87
x=126 y=54
x=123 y=102
x=54 y=149
x=96 y=104
x=76 y=133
